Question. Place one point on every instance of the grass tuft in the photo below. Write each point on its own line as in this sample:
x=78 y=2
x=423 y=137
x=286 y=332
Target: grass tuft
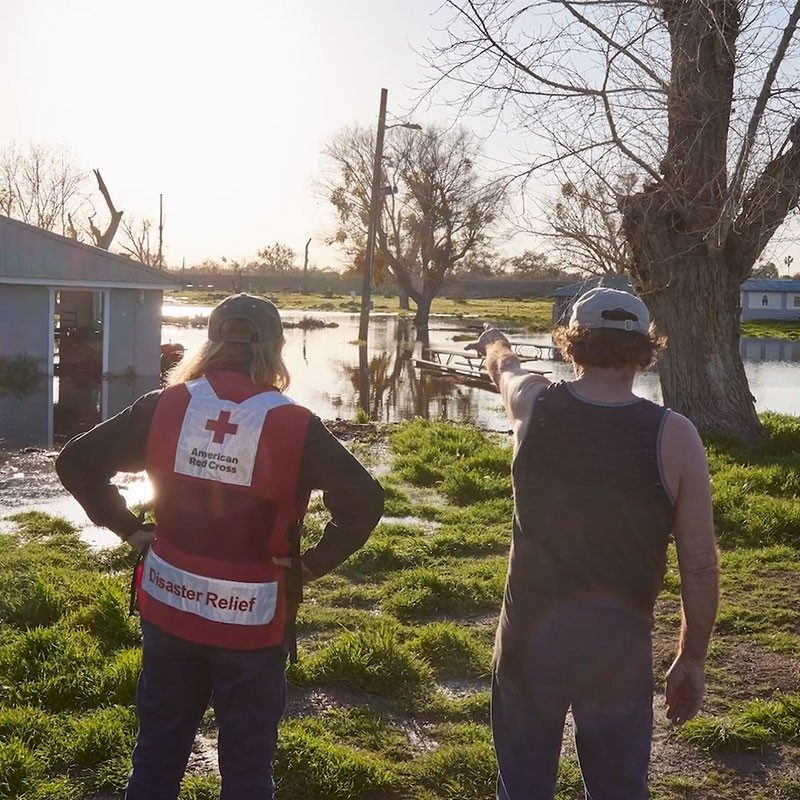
x=451 y=650
x=315 y=768
x=757 y=725
x=424 y=592
x=372 y=660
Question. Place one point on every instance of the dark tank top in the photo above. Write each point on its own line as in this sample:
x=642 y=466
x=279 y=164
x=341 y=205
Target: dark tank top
x=592 y=519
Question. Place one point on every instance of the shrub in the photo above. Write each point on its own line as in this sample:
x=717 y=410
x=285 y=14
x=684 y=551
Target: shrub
x=19 y=375
x=370 y=660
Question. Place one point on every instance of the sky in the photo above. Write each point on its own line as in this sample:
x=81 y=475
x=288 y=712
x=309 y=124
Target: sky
x=222 y=107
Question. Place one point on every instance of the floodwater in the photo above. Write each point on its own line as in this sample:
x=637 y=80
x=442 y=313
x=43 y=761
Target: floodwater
x=325 y=368
x=326 y=378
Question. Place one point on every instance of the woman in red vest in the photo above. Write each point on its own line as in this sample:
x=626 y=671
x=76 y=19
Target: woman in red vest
x=232 y=461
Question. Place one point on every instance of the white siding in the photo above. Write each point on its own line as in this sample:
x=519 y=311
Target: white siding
x=774 y=300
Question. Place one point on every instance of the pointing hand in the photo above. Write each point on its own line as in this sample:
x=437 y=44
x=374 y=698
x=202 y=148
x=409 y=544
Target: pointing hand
x=490 y=334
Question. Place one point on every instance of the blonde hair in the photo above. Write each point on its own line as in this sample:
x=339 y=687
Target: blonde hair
x=263 y=360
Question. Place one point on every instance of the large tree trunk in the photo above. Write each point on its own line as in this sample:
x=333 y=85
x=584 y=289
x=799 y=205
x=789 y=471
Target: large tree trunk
x=694 y=297
x=701 y=371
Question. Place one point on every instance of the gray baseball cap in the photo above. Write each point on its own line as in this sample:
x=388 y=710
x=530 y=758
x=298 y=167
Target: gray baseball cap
x=260 y=312
x=610 y=308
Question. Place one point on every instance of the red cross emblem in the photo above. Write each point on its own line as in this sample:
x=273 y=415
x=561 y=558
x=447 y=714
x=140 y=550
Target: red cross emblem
x=221 y=427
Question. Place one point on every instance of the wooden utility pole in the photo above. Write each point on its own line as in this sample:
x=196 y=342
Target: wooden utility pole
x=374 y=211
x=160 y=257
x=305 y=268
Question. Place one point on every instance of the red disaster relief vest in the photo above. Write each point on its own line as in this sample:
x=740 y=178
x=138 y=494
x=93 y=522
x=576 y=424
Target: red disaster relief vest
x=224 y=458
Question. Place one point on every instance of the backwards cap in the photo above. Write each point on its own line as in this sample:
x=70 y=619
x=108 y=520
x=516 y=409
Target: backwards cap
x=610 y=308
x=260 y=312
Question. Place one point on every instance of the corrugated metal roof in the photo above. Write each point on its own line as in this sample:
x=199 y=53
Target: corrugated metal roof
x=37 y=255
x=620 y=282
x=758 y=285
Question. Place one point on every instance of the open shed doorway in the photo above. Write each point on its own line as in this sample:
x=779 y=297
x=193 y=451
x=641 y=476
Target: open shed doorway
x=78 y=348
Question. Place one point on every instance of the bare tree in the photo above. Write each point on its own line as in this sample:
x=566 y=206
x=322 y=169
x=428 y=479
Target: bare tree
x=274 y=258
x=103 y=239
x=437 y=208
x=136 y=241
x=585 y=225
x=700 y=98
x=42 y=186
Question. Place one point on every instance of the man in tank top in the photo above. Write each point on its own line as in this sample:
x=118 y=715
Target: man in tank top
x=601 y=479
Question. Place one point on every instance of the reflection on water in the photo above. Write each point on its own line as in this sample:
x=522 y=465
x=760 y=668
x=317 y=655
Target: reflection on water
x=329 y=372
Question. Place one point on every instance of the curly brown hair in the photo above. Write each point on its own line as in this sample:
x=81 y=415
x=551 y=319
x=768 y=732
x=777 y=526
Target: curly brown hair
x=608 y=347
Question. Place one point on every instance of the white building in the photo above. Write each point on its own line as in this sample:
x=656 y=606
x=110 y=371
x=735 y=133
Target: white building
x=91 y=322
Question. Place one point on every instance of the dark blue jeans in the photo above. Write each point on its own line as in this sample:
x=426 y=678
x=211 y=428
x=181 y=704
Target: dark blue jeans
x=178 y=680
x=613 y=744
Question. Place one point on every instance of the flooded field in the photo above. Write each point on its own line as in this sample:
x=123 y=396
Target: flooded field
x=325 y=368
x=325 y=377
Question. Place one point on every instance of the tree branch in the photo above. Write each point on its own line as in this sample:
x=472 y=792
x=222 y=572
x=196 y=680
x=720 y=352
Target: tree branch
x=622 y=49
x=743 y=162
x=772 y=197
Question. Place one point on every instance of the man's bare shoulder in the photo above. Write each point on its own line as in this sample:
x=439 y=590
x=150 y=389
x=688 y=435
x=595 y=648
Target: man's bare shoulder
x=680 y=433
x=683 y=455
x=519 y=390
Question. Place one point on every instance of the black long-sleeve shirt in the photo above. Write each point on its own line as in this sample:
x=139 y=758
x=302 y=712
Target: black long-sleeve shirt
x=354 y=499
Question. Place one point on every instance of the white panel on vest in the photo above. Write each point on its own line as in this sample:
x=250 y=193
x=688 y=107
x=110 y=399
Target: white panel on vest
x=230 y=602
x=219 y=438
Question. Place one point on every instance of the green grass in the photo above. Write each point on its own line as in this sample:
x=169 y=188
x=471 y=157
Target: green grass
x=772 y=328
x=533 y=314
x=391 y=695
x=754 y=726
x=372 y=660
x=452 y=651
